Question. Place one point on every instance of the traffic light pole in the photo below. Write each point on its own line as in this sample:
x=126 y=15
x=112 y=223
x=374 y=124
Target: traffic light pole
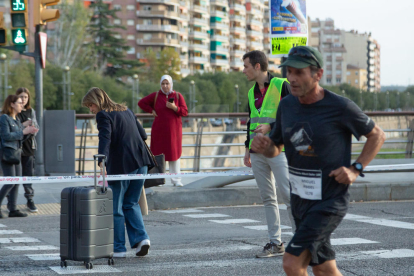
x=40 y=165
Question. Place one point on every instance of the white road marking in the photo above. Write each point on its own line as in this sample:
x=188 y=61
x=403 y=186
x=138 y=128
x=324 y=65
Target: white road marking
x=377 y=254
x=18 y=240
x=234 y=221
x=282 y=207
x=264 y=227
x=382 y=222
x=2 y=225
x=83 y=270
x=182 y=211
x=346 y=241
x=33 y=248
x=207 y=216
x=43 y=257
x=10 y=232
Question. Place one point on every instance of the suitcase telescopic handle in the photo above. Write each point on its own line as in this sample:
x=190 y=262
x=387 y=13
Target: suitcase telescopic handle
x=95 y=157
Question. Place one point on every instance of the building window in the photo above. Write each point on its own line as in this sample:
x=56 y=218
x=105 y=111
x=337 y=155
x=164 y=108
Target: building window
x=328 y=80
x=338 y=72
x=131 y=50
x=118 y=36
x=147 y=21
x=147 y=8
x=356 y=81
x=130 y=7
x=338 y=80
x=130 y=22
x=130 y=37
x=356 y=73
x=117 y=7
x=117 y=21
x=348 y=73
x=147 y=36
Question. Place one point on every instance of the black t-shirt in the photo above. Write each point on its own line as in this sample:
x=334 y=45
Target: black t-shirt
x=317 y=139
x=27 y=139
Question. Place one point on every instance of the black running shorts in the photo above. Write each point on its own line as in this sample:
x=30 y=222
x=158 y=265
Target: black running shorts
x=313 y=232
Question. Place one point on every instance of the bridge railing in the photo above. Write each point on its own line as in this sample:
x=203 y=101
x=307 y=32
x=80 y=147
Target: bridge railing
x=198 y=122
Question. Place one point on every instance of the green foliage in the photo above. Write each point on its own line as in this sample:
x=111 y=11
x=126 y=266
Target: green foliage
x=166 y=63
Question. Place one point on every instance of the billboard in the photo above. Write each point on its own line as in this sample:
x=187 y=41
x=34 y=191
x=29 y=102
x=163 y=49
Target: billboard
x=288 y=26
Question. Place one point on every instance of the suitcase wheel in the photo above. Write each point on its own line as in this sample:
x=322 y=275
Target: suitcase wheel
x=111 y=262
x=89 y=265
x=63 y=264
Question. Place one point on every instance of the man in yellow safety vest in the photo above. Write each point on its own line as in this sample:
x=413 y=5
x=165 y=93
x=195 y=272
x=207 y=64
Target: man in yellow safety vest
x=264 y=98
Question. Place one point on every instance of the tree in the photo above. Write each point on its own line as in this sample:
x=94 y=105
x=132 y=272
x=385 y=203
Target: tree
x=109 y=49
x=166 y=63
x=66 y=44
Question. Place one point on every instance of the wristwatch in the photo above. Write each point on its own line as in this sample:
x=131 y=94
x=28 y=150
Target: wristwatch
x=358 y=166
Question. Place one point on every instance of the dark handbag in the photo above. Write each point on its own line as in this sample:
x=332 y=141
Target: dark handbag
x=12 y=156
x=159 y=167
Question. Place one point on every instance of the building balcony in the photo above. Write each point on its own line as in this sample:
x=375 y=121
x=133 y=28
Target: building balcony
x=158 y=28
x=198 y=60
x=200 y=9
x=218 y=13
x=255 y=45
x=235 y=17
x=185 y=17
x=159 y=42
x=238 y=41
x=172 y=2
x=220 y=3
x=157 y=13
x=238 y=53
x=238 y=30
x=220 y=26
x=222 y=38
x=220 y=62
x=255 y=2
x=255 y=34
x=199 y=47
x=183 y=31
x=237 y=63
x=339 y=58
x=221 y=50
x=184 y=58
x=238 y=7
x=256 y=23
x=203 y=35
x=199 y=22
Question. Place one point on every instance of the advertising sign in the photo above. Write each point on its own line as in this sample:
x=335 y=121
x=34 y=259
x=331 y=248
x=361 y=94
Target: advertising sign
x=288 y=25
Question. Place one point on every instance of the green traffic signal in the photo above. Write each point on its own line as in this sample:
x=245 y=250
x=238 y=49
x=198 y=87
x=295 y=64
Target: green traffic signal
x=19 y=36
x=18 y=5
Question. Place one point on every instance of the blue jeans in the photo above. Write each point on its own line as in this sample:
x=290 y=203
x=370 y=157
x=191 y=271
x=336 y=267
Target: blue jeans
x=126 y=194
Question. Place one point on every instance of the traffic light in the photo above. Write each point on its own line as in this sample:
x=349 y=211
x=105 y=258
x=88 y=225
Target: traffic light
x=3 y=33
x=19 y=21
x=42 y=15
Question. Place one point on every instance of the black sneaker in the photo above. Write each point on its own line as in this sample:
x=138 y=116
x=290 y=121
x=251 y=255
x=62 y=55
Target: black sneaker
x=31 y=206
x=17 y=214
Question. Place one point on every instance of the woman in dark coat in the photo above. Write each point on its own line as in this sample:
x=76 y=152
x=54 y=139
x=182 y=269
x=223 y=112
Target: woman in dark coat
x=121 y=140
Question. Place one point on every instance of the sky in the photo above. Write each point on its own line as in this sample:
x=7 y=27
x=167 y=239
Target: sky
x=390 y=23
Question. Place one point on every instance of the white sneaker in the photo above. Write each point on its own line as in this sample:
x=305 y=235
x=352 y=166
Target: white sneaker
x=119 y=255
x=179 y=184
x=143 y=248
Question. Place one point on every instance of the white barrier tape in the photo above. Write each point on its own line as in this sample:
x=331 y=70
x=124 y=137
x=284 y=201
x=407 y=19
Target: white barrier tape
x=90 y=178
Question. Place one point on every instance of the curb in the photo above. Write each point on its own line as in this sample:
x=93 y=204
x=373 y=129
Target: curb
x=161 y=199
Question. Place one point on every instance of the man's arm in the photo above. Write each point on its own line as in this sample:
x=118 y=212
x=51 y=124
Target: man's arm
x=262 y=144
x=375 y=140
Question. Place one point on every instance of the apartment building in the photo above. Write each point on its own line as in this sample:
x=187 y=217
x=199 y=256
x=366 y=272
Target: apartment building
x=342 y=49
x=356 y=77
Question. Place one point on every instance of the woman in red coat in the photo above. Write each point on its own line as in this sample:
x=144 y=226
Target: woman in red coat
x=167 y=106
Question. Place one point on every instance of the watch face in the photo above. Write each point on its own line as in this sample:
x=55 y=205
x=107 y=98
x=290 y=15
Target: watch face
x=358 y=166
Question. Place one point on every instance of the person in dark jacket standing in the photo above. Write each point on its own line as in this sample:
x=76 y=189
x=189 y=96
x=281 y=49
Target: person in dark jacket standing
x=28 y=114
x=121 y=140
x=11 y=133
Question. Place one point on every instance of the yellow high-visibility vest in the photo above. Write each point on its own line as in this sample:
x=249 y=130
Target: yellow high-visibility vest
x=269 y=107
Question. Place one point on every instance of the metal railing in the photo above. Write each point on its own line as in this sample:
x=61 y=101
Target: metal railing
x=201 y=118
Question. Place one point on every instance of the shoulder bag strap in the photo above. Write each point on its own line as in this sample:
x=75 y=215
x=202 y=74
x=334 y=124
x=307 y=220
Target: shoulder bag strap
x=155 y=100
x=150 y=152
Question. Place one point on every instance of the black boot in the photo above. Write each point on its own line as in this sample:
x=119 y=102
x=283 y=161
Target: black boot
x=17 y=214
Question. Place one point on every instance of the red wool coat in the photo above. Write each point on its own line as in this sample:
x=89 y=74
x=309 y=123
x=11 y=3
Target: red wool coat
x=167 y=129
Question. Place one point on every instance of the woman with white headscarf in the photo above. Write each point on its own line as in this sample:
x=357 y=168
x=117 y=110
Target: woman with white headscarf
x=167 y=106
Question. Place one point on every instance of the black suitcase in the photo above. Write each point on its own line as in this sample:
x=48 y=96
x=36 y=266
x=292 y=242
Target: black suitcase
x=86 y=223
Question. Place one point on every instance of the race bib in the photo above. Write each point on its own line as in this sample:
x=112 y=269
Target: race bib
x=306 y=183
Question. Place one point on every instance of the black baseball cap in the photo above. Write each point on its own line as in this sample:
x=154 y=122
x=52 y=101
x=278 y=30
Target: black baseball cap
x=302 y=57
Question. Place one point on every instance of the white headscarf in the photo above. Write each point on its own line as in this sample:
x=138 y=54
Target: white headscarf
x=169 y=79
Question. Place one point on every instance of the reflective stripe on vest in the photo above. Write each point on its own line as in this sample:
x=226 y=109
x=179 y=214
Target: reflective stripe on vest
x=269 y=107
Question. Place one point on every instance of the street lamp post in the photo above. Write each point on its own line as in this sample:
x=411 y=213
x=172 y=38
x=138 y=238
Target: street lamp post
x=361 y=103
x=388 y=100
x=135 y=92
x=375 y=101
x=193 y=96
x=237 y=92
x=343 y=92
x=66 y=87
x=408 y=100
x=398 y=100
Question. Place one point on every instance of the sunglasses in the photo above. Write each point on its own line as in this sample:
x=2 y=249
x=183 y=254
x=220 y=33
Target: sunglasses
x=301 y=52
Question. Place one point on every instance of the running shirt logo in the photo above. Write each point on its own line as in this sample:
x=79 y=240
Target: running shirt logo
x=301 y=138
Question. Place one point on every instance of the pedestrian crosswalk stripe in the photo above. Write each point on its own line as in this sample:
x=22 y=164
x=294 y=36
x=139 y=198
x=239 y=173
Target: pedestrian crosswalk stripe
x=347 y=241
x=18 y=240
x=376 y=254
x=264 y=227
x=10 y=232
x=2 y=225
x=382 y=222
x=207 y=216
x=233 y=221
x=35 y=247
x=43 y=257
x=83 y=270
x=179 y=211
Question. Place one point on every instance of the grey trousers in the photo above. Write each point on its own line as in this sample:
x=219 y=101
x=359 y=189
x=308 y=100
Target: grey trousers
x=266 y=171
x=10 y=189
